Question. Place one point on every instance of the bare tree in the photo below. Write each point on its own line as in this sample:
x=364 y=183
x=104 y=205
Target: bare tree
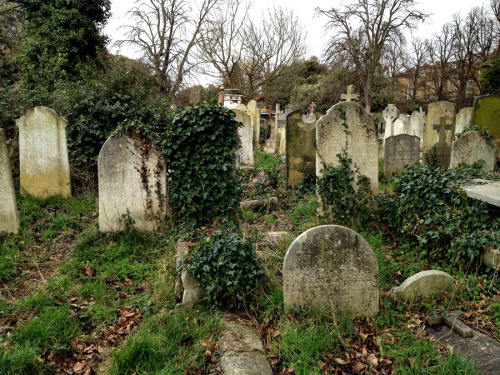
x=166 y=32
x=415 y=63
x=362 y=29
x=251 y=55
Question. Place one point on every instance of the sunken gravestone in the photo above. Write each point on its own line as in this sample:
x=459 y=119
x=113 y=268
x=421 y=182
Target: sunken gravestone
x=244 y=155
x=348 y=127
x=43 y=154
x=300 y=146
x=391 y=113
x=9 y=217
x=434 y=112
x=472 y=147
x=132 y=185
x=486 y=114
x=331 y=268
x=400 y=150
x=440 y=152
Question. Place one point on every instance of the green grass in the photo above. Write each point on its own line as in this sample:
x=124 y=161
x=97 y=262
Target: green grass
x=303 y=215
x=265 y=161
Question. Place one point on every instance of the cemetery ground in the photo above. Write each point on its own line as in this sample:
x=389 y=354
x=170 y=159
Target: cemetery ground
x=74 y=300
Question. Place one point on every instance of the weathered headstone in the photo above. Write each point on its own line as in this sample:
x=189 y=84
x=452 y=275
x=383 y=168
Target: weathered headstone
x=400 y=150
x=254 y=113
x=244 y=155
x=417 y=126
x=472 y=147
x=43 y=154
x=300 y=146
x=486 y=114
x=132 y=185
x=331 y=268
x=434 y=112
x=464 y=119
x=402 y=125
x=391 y=113
x=9 y=217
x=347 y=126
x=440 y=150
x=424 y=284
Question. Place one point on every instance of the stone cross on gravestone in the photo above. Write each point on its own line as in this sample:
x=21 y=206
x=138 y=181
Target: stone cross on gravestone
x=350 y=94
x=440 y=148
x=441 y=128
x=390 y=113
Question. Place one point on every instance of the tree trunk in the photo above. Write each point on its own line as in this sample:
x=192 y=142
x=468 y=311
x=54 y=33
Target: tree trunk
x=368 y=93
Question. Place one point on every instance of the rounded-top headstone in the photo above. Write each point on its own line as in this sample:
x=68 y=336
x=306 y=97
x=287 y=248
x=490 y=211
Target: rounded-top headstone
x=331 y=268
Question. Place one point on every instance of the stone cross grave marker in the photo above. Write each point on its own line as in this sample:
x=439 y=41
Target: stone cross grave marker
x=9 y=217
x=43 y=154
x=441 y=148
x=350 y=94
x=435 y=111
x=400 y=150
x=391 y=113
x=132 y=185
x=472 y=147
x=331 y=268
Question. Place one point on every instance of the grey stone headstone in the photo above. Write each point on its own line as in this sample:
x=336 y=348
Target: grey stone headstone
x=417 y=126
x=464 y=119
x=9 y=217
x=300 y=146
x=434 y=112
x=402 y=125
x=424 y=284
x=43 y=154
x=331 y=268
x=132 y=181
x=440 y=150
x=361 y=140
x=471 y=147
x=244 y=155
x=254 y=113
x=400 y=150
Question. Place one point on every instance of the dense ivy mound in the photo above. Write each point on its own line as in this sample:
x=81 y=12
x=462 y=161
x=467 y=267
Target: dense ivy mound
x=428 y=210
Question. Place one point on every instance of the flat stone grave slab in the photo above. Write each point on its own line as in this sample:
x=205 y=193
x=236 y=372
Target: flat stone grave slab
x=480 y=348
x=484 y=190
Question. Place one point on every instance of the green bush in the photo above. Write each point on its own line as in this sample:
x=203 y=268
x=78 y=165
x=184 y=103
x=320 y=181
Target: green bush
x=429 y=211
x=227 y=268
x=489 y=78
x=199 y=151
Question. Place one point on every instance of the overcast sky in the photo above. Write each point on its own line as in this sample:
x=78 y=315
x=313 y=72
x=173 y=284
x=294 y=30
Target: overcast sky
x=441 y=12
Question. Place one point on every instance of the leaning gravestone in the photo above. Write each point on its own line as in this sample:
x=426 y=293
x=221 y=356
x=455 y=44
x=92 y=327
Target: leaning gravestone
x=132 y=185
x=331 y=268
x=43 y=154
x=400 y=150
x=472 y=147
x=391 y=113
x=9 y=218
x=464 y=118
x=434 y=112
x=254 y=113
x=486 y=114
x=300 y=146
x=244 y=155
x=347 y=126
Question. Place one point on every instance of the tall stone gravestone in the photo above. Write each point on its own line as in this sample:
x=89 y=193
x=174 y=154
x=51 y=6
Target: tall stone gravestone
x=244 y=155
x=417 y=126
x=254 y=113
x=391 y=113
x=300 y=146
x=472 y=147
x=132 y=185
x=440 y=151
x=434 y=112
x=331 y=268
x=486 y=114
x=400 y=150
x=9 y=217
x=347 y=126
x=43 y=154
x=464 y=118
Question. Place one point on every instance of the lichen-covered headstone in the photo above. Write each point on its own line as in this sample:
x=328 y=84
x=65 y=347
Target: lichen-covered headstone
x=472 y=147
x=434 y=112
x=43 y=154
x=464 y=119
x=331 y=268
x=400 y=150
x=347 y=126
x=9 y=217
x=254 y=113
x=424 y=284
x=244 y=155
x=486 y=114
x=300 y=146
x=132 y=185
x=391 y=113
